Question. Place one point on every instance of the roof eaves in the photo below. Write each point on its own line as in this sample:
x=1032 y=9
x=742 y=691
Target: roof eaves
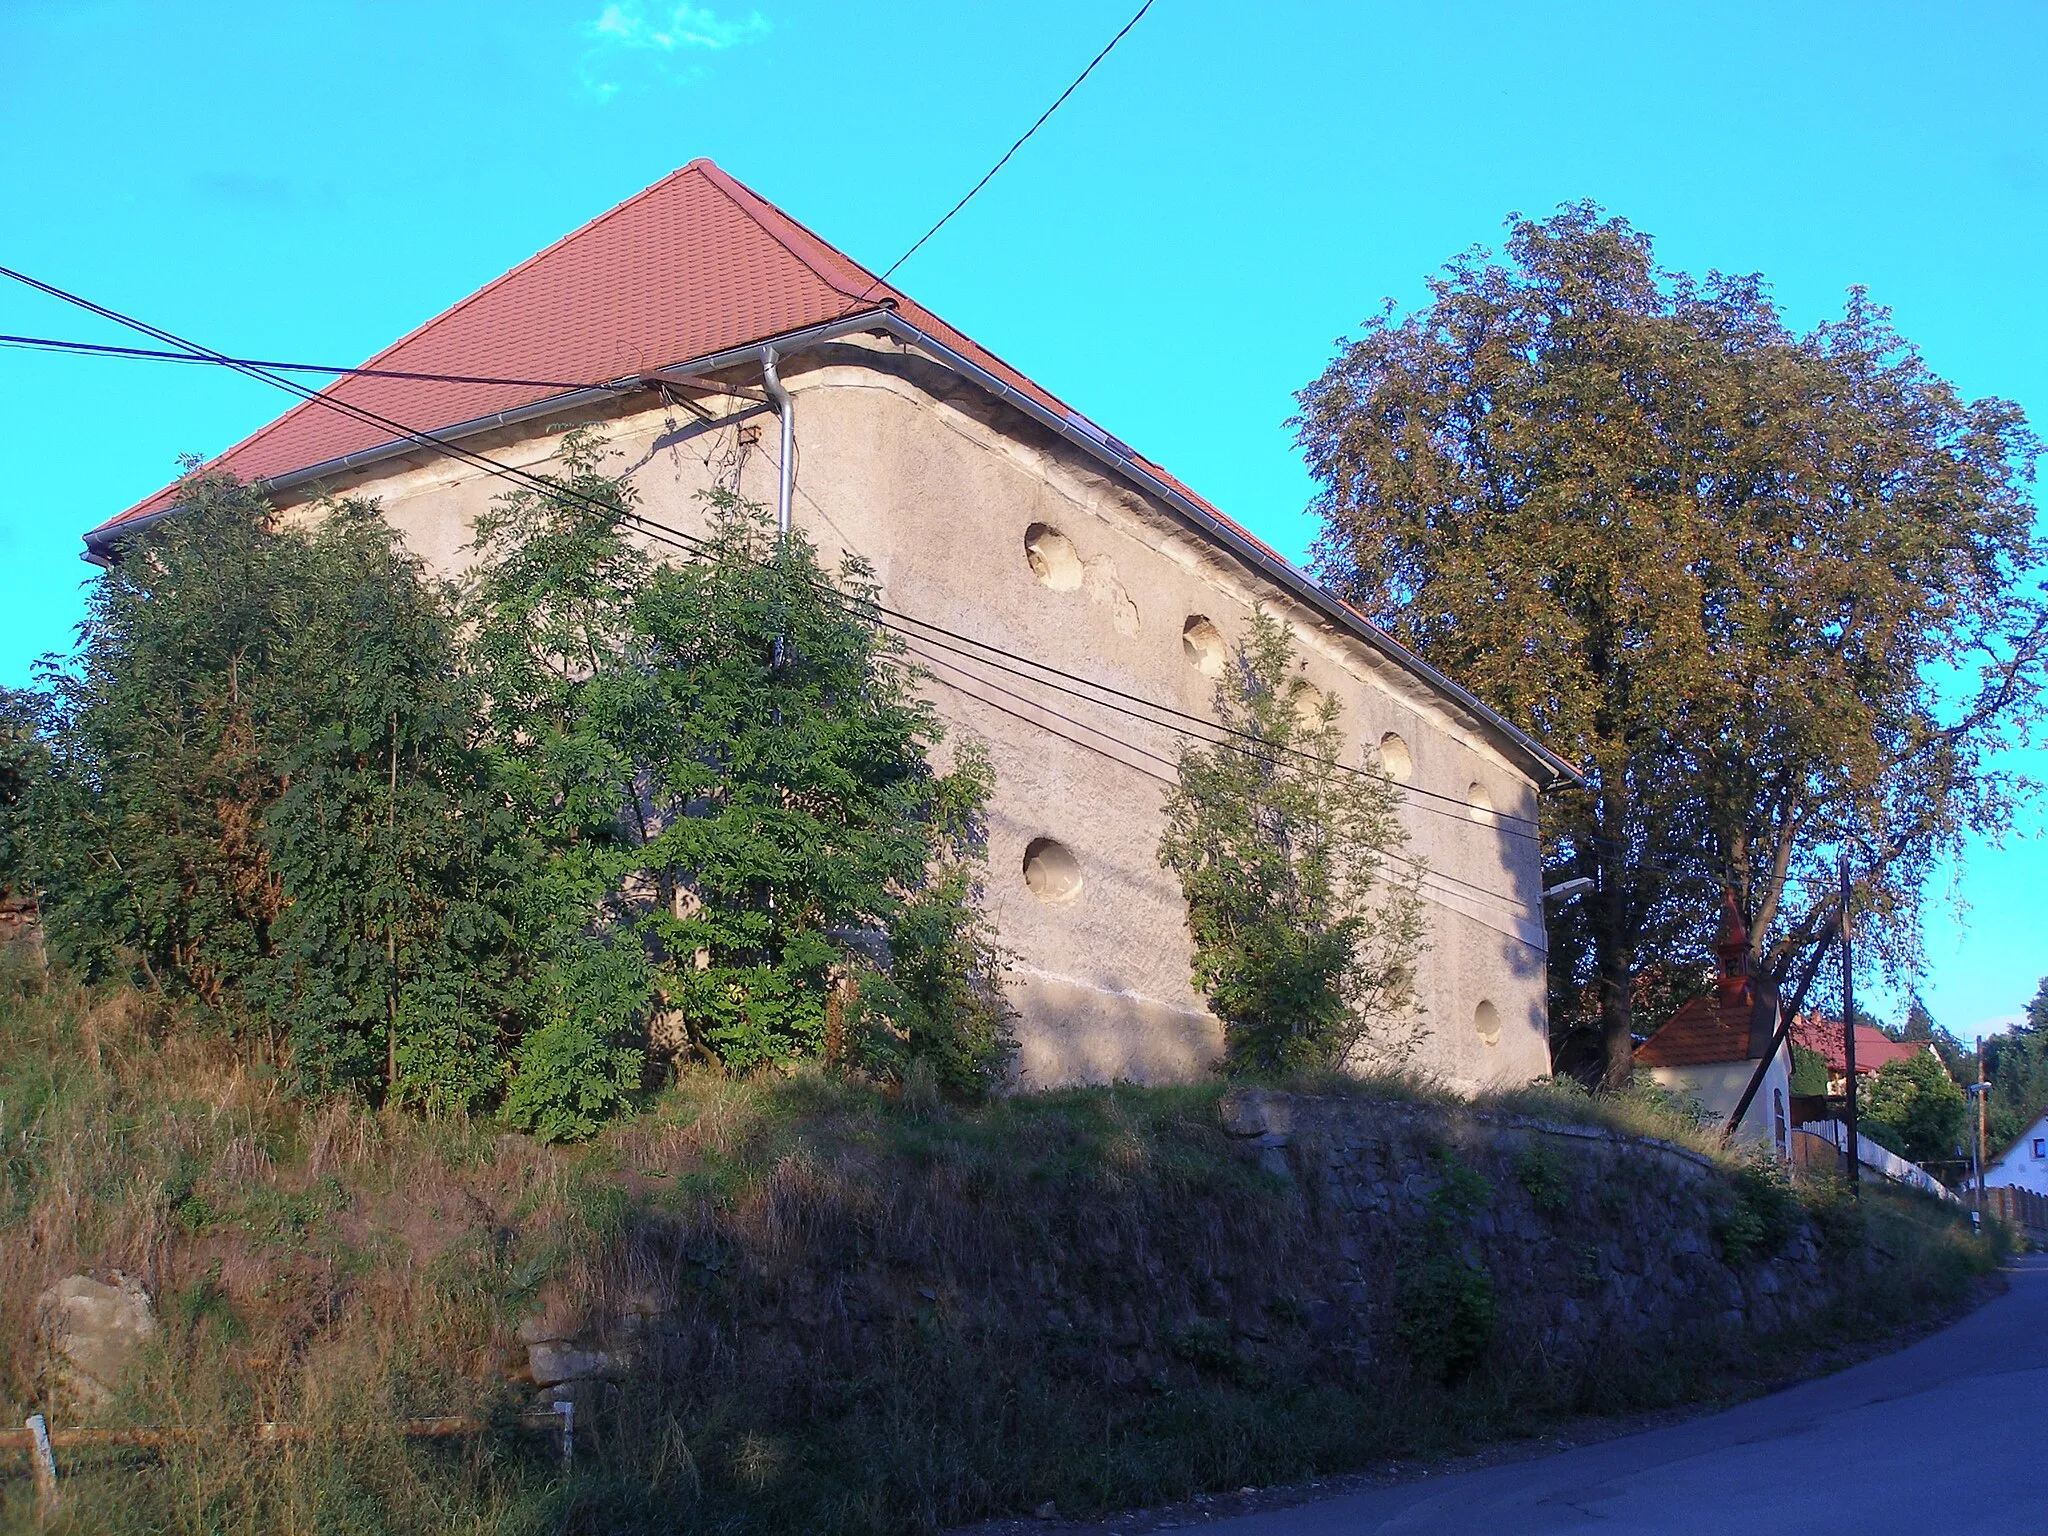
x=1550 y=768
x=100 y=541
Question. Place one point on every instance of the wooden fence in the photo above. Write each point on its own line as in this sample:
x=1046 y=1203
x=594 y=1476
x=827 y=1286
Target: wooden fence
x=2020 y=1208
x=43 y=1442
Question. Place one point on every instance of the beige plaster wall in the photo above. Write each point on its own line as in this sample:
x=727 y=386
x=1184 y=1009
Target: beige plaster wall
x=935 y=483
x=1717 y=1088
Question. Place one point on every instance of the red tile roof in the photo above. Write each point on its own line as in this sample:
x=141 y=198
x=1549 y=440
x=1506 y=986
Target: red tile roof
x=1715 y=1027
x=1873 y=1050
x=695 y=264
x=1706 y=1030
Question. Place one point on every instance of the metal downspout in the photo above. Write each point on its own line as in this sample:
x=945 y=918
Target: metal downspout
x=785 y=473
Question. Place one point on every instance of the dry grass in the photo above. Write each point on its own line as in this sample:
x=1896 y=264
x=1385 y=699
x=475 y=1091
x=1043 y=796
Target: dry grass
x=868 y=1315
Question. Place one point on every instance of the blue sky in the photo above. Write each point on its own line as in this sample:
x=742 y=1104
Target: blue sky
x=1175 y=253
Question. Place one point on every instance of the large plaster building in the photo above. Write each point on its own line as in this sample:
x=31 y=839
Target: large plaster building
x=1066 y=592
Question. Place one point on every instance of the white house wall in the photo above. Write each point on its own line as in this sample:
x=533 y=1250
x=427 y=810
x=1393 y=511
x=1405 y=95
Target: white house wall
x=2019 y=1167
x=935 y=483
x=1717 y=1088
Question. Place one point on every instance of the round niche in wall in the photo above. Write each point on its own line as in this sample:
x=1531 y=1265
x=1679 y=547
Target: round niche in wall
x=1051 y=870
x=1480 y=798
x=1396 y=758
x=1052 y=558
x=1486 y=1023
x=1202 y=643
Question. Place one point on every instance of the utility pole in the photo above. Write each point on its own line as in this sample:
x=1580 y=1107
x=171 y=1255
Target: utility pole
x=1849 y=1030
x=1981 y=1091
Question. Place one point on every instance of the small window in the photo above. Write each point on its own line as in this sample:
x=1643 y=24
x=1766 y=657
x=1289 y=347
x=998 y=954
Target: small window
x=1396 y=758
x=1480 y=798
x=2041 y=1146
x=1202 y=643
x=1052 y=557
x=1778 y=1120
x=1486 y=1023
x=1051 y=870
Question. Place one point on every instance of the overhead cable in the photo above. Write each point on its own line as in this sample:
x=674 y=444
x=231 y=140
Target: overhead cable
x=990 y=174
x=689 y=543
x=146 y=354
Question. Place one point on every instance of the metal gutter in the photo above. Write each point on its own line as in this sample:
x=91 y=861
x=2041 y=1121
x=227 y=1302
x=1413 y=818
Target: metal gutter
x=100 y=542
x=1075 y=429
x=785 y=465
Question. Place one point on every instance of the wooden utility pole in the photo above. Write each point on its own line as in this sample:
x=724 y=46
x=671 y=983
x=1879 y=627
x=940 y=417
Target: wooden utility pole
x=1981 y=1092
x=1849 y=1031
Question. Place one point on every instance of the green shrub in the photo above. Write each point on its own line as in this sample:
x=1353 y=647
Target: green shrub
x=1305 y=912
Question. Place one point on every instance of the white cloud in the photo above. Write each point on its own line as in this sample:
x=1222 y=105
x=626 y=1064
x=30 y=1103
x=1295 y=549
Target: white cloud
x=628 y=42
x=688 y=26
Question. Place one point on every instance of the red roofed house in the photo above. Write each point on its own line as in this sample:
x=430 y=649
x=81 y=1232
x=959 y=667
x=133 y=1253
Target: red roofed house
x=1710 y=1048
x=715 y=340
x=1818 y=1033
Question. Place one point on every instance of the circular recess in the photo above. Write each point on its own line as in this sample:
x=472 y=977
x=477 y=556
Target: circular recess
x=1480 y=798
x=1051 y=870
x=1396 y=758
x=1486 y=1022
x=1202 y=643
x=1052 y=557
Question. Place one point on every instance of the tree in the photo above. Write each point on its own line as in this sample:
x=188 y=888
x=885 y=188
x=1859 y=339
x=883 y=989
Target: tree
x=147 y=832
x=1768 y=589
x=1920 y=1104
x=260 y=796
x=1305 y=941
x=726 y=772
x=1919 y=1028
x=24 y=759
x=388 y=953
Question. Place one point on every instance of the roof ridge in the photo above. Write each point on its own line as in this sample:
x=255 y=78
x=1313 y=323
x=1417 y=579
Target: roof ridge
x=743 y=197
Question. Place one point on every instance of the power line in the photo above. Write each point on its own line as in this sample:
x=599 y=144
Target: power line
x=1421 y=865
x=145 y=354
x=1012 y=150
x=258 y=370
x=692 y=545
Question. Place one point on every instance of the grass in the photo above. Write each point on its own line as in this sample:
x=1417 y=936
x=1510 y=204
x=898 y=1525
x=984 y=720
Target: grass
x=870 y=1314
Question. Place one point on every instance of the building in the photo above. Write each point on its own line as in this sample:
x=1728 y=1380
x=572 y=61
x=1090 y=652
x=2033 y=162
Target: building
x=1039 y=561
x=2024 y=1164
x=1709 y=1049
x=1874 y=1049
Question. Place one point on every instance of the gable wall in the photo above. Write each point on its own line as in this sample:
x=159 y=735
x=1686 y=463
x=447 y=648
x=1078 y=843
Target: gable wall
x=935 y=483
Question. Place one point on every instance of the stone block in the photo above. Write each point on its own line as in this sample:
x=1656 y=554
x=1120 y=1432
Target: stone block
x=90 y=1333
x=552 y=1362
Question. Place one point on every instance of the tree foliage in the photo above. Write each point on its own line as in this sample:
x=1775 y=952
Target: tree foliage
x=1770 y=590
x=258 y=796
x=24 y=759
x=2016 y=1066
x=474 y=854
x=1305 y=939
x=727 y=759
x=1919 y=1103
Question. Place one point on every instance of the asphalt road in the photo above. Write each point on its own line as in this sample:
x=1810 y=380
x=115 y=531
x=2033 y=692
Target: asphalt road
x=1948 y=1437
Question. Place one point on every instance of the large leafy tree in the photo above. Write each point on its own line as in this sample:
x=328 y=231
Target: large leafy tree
x=728 y=777
x=388 y=954
x=24 y=759
x=1916 y=1108
x=148 y=843
x=1771 y=590
x=2016 y=1066
x=258 y=796
x=1305 y=936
